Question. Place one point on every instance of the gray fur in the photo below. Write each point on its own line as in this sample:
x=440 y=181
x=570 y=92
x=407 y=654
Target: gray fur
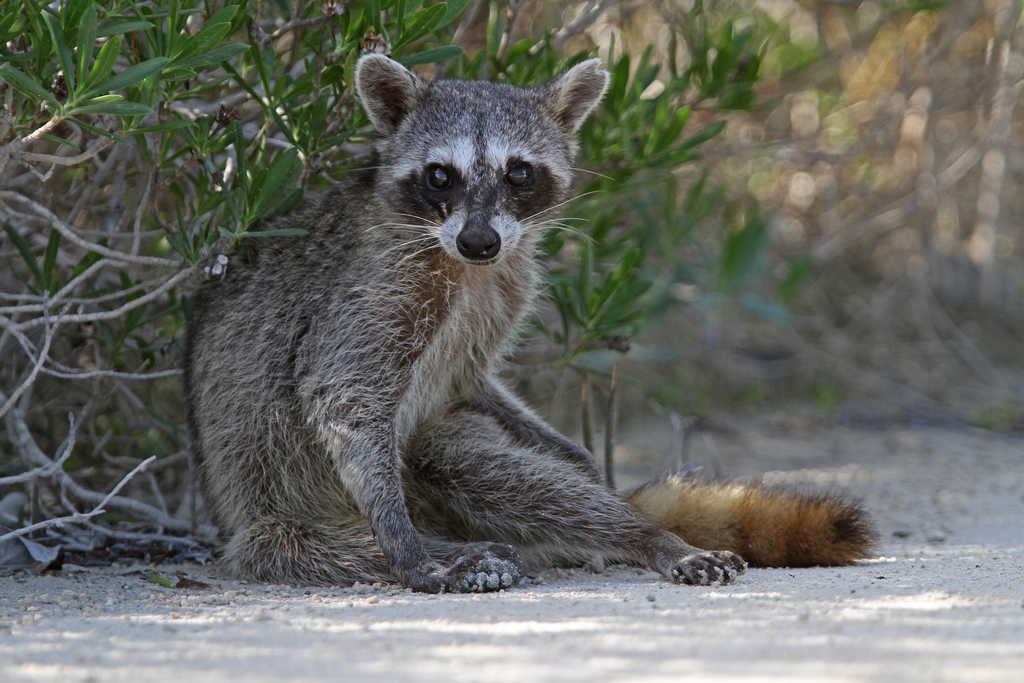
x=342 y=388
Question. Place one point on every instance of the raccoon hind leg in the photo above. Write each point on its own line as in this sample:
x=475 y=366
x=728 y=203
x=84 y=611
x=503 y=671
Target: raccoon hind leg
x=342 y=553
x=306 y=553
x=467 y=478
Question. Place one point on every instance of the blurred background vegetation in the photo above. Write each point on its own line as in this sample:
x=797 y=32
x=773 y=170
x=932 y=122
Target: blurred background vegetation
x=805 y=209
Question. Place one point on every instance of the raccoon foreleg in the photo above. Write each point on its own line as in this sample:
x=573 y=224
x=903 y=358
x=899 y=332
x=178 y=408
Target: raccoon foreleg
x=518 y=420
x=368 y=462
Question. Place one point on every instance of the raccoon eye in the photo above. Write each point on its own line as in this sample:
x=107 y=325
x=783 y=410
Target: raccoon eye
x=517 y=176
x=438 y=178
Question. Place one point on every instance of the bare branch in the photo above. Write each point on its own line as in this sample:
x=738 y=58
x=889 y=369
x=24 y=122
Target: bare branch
x=48 y=338
x=59 y=225
x=893 y=216
x=48 y=469
x=514 y=8
x=14 y=148
x=103 y=315
x=263 y=38
x=27 y=448
x=79 y=516
x=59 y=298
x=40 y=307
x=181 y=457
x=65 y=161
x=71 y=373
x=142 y=536
x=587 y=16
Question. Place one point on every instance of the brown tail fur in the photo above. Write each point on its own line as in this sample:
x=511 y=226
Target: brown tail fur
x=768 y=527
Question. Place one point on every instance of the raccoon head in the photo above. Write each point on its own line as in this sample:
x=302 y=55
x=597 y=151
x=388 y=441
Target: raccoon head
x=480 y=166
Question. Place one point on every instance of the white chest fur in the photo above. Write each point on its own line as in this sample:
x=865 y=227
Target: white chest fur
x=461 y=351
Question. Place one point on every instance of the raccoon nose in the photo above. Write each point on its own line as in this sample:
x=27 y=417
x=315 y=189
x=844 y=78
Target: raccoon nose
x=478 y=241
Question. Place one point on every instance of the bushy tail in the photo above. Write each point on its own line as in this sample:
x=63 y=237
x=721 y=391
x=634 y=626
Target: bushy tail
x=766 y=526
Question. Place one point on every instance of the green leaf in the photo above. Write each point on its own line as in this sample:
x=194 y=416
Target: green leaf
x=87 y=262
x=214 y=56
x=203 y=41
x=26 y=254
x=170 y=125
x=131 y=75
x=100 y=131
x=19 y=81
x=519 y=50
x=86 y=38
x=67 y=64
x=22 y=57
x=586 y=268
x=280 y=172
x=799 y=268
x=289 y=202
x=174 y=28
x=614 y=280
x=114 y=108
x=256 y=185
x=123 y=27
x=742 y=252
x=669 y=134
x=229 y=198
x=455 y=8
x=104 y=99
x=50 y=258
x=173 y=75
x=238 y=141
x=11 y=25
x=737 y=99
x=104 y=64
x=39 y=33
x=72 y=12
x=434 y=54
x=350 y=69
x=134 y=316
x=373 y=14
x=333 y=141
x=702 y=136
x=61 y=141
x=279 y=232
x=422 y=23
x=224 y=16
x=617 y=91
x=284 y=128
x=161 y=580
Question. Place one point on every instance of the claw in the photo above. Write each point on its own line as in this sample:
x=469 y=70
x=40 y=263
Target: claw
x=485 y=567
x=709 y=568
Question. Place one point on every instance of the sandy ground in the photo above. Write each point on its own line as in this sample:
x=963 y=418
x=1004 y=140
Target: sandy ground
x=943 y=601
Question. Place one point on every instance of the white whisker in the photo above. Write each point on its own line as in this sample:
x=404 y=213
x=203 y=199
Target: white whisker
x=415 y=254
x=600 y=175
x=560 y=204
x=403 y=245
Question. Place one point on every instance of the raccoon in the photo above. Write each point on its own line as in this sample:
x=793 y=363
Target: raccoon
x=343 y=392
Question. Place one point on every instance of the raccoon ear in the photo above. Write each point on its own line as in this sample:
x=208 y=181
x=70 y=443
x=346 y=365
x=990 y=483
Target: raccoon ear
x=387 y=90
x=573 y=94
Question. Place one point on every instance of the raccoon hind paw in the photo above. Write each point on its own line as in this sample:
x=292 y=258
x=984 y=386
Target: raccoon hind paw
x=707 y=568
x=483 y=568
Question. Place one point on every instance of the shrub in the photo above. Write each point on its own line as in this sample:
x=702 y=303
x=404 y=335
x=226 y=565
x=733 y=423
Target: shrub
x=140 y=142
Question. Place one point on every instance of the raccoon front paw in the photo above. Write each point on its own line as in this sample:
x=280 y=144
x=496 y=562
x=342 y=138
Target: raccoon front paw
x=706 y=568
x=484 y=567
